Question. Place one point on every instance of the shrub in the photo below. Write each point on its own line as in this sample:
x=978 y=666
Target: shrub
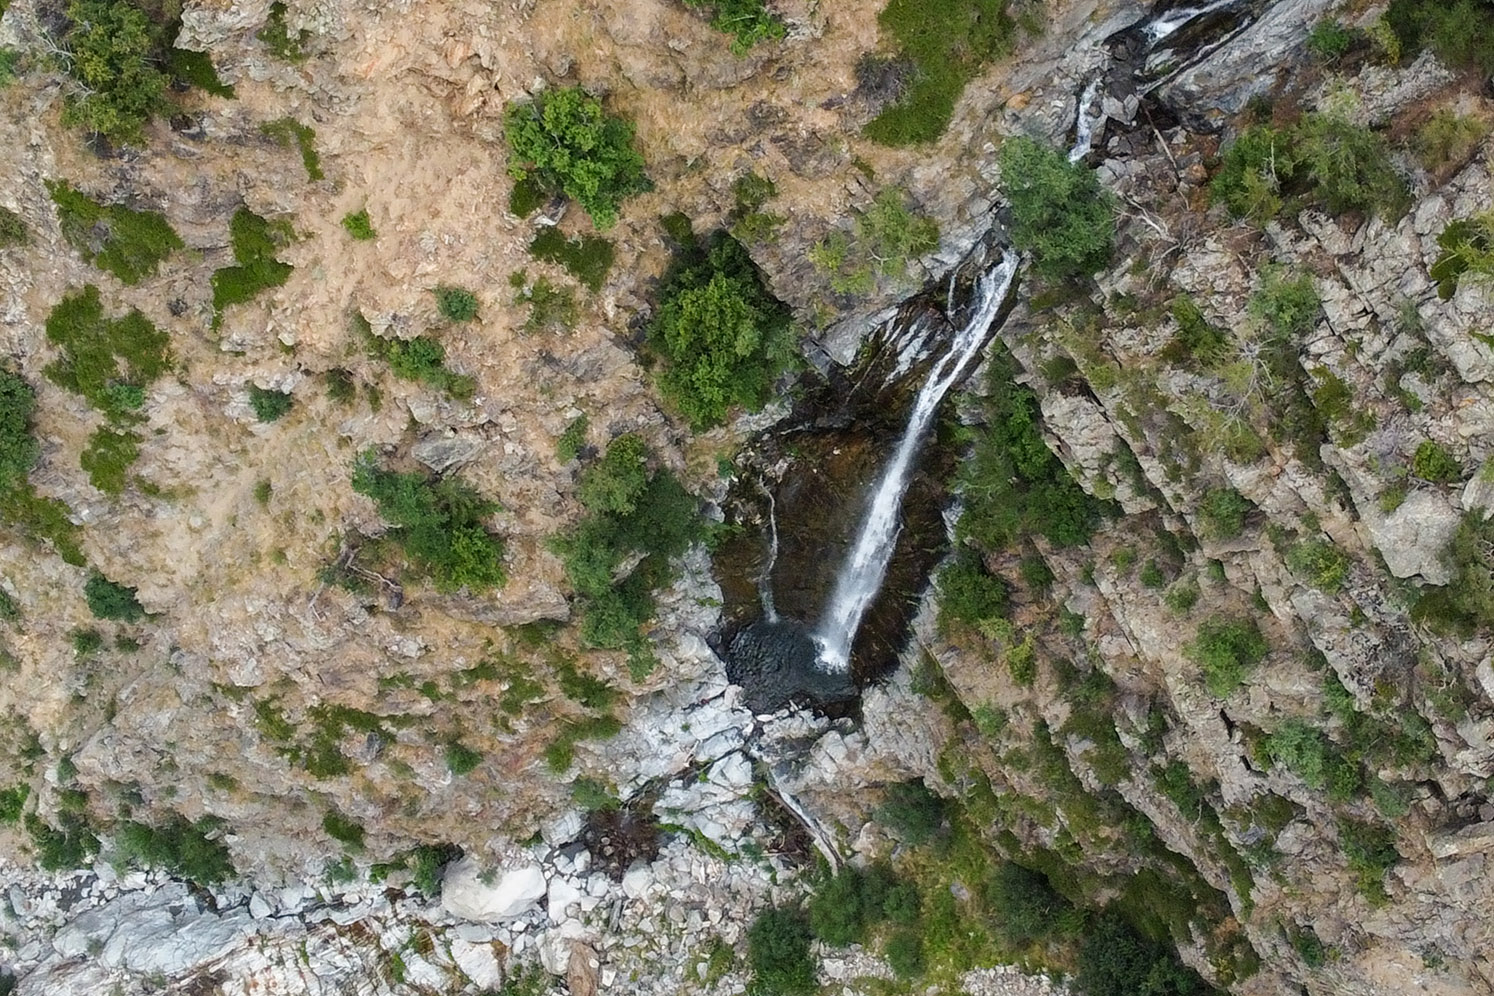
x=778 y=953
x=1013 y=485
x=1223 y=512
x=1024 y=907
x=1115 y=960
x=345 y=830
x=20 y=505
x=129 y=244
x=1197 y=342
x=1460 y=33
x=912 y=812
x=268 y=405
x=112 y=53
x=1320 y=564
x=1227 y=649
x=1467 y=246
x=552 y=307
x=341 y=387
x=888 y=236
x=1253 y=170
x=181 y=848
x=277 y=37
x=1350 y=167
x=1466 y=604
x=1371 y=852
x=438 y=524
x=1287 y=307
x=255 y=242
x=112 y=600
x=1329 y=40
x=1448 y=139
x=12 y=229
x=629 y=510
x=968 y=593
x=461 y=759
x=747 y=21
x=421 y=359
x=1306 y=752
x=1182 y=597
x=65 y=847
x=723 y=337
x=288 y=131
x=904 y=952
x=944 y=44
x=194 y=68
x=91 y=348
x=358 y=225
x=587 y=257
x=12 y=801
x=108 y=458
x=455 y=304
x=1060 y=213
x=1432 y=462
x=569 y=144
x=573 y=440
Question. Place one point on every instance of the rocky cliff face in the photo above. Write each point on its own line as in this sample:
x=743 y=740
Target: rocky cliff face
x=249 y=661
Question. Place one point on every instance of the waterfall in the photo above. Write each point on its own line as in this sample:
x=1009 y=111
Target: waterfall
x=861 y=575
x=765 y=582
x=1085 y=121
x=1169 y=22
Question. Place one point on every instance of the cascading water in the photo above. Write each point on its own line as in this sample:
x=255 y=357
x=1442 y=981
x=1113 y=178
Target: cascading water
x=1087 y=118
x=860 y=578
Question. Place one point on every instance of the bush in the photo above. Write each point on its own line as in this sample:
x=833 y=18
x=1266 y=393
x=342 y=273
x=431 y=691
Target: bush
x=968 y=593
x=1432 y=462
x=422 y=359
x=853 y=901
x=108 y=458
x=112 y=54
x=194 y=68
x=461 y=759
x=1320 y=564
x=286 y=132
x=358 y=225
x=438 y=524
x=1013 y=485
x=1223 y=512
x=1306 y=752
x=112 y=600
x=1466 y=604
x=778 y=953
x=629 y=510
x=91 y=348
x=1447 y=139
x=568 y=144
x=67 y=846
x=456 y=304
x=747 y=21
x=20 y=505
x=1371 y=852
x=1252 y=172
x=255 y=242
x=129 y=244
x=1024 y=907
x=268 y=405
x=904 y=952
x=723 y=337
x=181 y=848
x=277 y=37
x=1467 y=246
x=888 y=236
x=573 y=440
x=12 y=801
x=587 y=257
x=912 y=812
x=1329 y=40
x=1060 y=213
x=1115 y=960
x=12 y=229
x=1227 y=649
x=552 y=306
x=346 y=831
x=945 y=44
x=1460 y=33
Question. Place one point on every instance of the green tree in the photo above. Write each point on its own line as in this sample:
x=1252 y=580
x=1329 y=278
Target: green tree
x=112 y=55
x=747 y=21
x=1226 y=649
x=568 y=143
x=723 y=337
x=112 y=600
x=1060 y=213
x=778 y=951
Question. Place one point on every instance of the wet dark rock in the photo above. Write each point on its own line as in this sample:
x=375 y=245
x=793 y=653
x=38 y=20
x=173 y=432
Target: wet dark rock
x=775 y=664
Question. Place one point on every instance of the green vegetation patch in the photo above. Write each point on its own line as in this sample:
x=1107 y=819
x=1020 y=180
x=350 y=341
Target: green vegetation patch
x=39 y=518
x=1227 y=649
x=255 y=242
x=287 y=131
x=113 y=50
x=573 y=440
x=112 y=600
x=1466 y=604
x=723 y=337
x=13 y=801
x=587 y=257
x=968 y=593
x=456 y=304
x=344 y=829
x=129 y=244
x=1320 y=564
x=277 y=37
x=421 y=359
x=437 y=522
x=98 y=355
x=944 y=44
x=270 y=405
x=1324 y=159
x=630 y=509
x=108 y=458
x=1060 y=213
x=1116 y=960
x=358 y=225
x=568 y=144
x=12 y=229
x=186 y=850
x=1460 y=33
x=1013 y=485
x=196 y=69
x=552 y=306
x=888 y=237
x=749 y=22
x=1467 y=246
x=778 y=953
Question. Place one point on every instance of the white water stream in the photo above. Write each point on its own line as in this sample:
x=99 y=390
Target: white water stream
x=1086 y=119
x=860 y=577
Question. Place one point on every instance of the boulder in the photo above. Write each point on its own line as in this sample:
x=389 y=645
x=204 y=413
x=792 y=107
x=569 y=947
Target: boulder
x=511 y=893
x=1412 y=538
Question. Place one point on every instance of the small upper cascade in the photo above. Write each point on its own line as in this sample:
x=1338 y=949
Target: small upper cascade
x=1087 y=118
x=1168 y=22
x=860 y=577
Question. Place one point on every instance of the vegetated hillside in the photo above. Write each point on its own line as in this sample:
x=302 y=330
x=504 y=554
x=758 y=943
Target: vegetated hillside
x=343 y=521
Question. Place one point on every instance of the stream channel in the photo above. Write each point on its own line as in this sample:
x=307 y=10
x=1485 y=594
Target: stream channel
x=840 y=506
